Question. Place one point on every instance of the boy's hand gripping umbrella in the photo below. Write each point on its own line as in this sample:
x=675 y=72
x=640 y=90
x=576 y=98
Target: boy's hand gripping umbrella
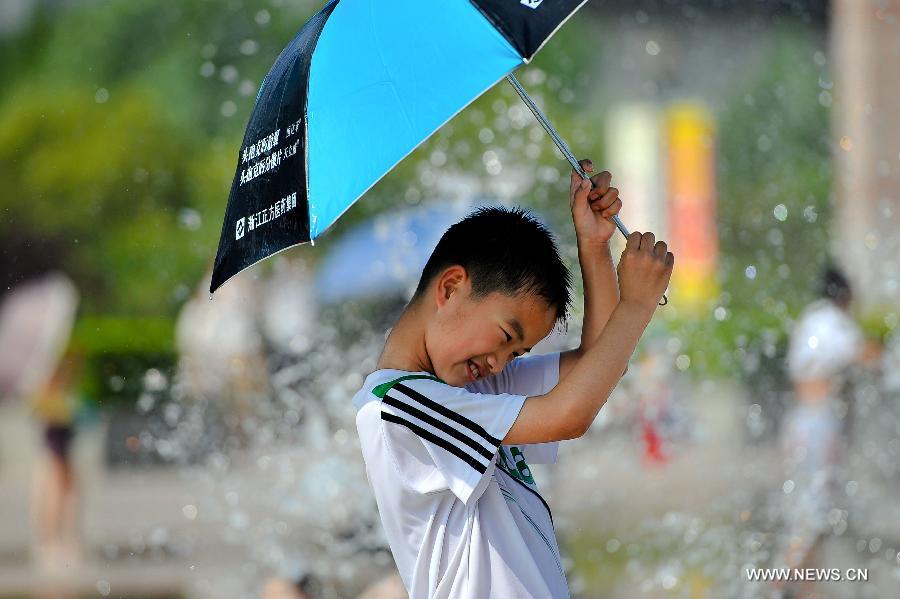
x=360 y=86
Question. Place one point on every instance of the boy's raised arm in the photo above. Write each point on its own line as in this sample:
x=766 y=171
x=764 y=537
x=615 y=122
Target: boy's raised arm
x=593 y=204
x=569 y=409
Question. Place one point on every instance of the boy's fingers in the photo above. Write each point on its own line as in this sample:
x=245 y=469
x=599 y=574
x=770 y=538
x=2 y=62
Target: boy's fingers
x=634 y=242
x=601 y=182
x=648 y=239
x=576 y=178
x=579 y=185
x=670 y=259
x=660 y=249
x=574 y=181
x=606 y=200
x=612 y=210
x=579 y=194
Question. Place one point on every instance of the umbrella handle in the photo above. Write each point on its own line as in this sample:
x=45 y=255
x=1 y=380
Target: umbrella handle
x=564 y=148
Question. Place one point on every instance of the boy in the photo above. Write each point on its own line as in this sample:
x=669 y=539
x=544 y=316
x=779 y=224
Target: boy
x=450 y=420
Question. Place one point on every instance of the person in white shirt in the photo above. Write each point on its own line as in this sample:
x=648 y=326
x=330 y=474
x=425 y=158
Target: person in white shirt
x=450 y=420
x=823 y=344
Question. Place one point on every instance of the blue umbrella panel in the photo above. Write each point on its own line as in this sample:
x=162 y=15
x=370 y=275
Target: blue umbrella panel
x=360 y=86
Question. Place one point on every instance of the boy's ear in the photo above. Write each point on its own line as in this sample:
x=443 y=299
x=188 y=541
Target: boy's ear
x=451 y=280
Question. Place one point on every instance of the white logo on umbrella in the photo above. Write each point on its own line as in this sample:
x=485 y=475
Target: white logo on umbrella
x=239 y=228
x=531 y=3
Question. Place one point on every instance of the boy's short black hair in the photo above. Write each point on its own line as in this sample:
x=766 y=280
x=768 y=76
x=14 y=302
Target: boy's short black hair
x=503 y=250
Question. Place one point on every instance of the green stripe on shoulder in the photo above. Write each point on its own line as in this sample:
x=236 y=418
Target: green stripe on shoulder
x=381 y=390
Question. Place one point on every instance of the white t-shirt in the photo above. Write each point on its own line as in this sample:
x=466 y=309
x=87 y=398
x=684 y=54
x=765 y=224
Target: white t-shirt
x=823 y=343
x=462 y=513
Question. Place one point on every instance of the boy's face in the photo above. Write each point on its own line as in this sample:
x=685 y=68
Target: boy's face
x=473 y=337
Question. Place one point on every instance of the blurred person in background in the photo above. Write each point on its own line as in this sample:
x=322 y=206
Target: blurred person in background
x=661 y=417
x=55 y=510
x=221 y=353
x=823 y=344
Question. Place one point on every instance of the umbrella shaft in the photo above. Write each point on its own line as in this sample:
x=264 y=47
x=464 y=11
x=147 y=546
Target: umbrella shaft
x=560 y=143
x=563 y=147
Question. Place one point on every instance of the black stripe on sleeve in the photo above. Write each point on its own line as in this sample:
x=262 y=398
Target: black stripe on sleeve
x=421 y=432
x=448 y=413
x=393 y=402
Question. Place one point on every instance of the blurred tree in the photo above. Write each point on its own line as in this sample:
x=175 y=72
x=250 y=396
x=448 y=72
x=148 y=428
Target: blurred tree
x=774 y=169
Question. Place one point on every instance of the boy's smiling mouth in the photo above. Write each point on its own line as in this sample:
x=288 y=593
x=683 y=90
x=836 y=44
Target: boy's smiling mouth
x=473 y=370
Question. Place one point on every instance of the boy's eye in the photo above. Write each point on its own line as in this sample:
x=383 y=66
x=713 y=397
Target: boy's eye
x=508 y=336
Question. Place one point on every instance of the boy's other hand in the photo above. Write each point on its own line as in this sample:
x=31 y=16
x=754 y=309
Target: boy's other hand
x=644 y=270
x=593 y=203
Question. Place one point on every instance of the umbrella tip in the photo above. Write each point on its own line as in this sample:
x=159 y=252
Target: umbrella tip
x=210 y=297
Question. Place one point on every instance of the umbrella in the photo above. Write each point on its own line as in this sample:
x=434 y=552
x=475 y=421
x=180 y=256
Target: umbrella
x=386 y=254
x=35 y=325
x=360 y=86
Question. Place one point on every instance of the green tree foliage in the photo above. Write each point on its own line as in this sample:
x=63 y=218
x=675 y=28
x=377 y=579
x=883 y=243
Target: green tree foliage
x=117 y=152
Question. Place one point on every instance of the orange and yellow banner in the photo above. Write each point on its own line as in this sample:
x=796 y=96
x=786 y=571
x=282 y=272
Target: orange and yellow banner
x=691 y=202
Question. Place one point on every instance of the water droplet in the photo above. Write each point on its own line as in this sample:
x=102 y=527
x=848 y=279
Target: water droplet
x=248 y=47
x=229 y=73
x=247 y=88
x=190 y=511
x=652 y=48
x=780 y=212
x=103 y=587
x=116 y=383
x=810 y=214
x=228 y=108
x=190 y=219
x=438 y=158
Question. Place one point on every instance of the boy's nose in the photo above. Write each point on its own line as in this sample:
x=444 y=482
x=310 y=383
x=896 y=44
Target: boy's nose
x=494 y=364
